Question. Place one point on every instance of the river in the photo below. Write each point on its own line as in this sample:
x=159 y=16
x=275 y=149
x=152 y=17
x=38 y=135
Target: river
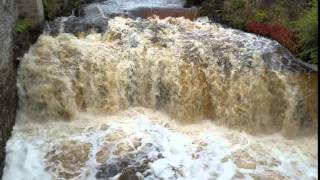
x=163 y=99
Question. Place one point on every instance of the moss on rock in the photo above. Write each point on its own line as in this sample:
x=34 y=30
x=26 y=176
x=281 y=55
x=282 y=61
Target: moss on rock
x=23 y=25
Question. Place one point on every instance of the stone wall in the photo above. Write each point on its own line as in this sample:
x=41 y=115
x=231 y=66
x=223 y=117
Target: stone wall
x=8 y=95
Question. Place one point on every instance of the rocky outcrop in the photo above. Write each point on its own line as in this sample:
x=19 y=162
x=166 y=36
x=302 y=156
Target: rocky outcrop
x=33 y=10
x=15 y=39
x=8 y=95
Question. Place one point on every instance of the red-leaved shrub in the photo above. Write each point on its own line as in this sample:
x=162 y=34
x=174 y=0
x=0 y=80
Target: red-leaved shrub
x=283 y=35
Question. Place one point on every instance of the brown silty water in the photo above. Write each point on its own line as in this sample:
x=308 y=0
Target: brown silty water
x=188 y=70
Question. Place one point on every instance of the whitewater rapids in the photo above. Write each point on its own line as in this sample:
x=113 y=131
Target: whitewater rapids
x=163 y=99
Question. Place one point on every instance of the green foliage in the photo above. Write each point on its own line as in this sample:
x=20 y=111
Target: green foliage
x=238 y=23
x=72 y=4
x=213 y=9
x=279 y=13
x=236 y=14
x=307 y=27
x=54 y=8
x=238 y=4
x=261 y=16
x=23 y=25
x=50 y=8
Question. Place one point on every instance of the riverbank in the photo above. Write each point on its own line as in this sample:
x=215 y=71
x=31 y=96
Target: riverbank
x=294 y=24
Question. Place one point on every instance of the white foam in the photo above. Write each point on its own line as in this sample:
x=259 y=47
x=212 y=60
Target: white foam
x=24 y=161
x=200 y=151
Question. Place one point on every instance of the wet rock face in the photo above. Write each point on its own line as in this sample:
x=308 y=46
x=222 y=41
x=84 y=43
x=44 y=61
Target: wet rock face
x=129 y=174
x=123 y=155
x=121 y=167
x=74 y=24
x=77 y=25
x=8 y=95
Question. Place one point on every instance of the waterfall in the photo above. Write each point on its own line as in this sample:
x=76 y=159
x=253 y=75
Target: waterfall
x=188 y=70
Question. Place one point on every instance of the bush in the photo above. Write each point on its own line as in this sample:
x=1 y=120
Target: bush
x=238 y=23
x=238 y=4
x=283 y=35
x=54 y=8
x=236 y=13
x=307 y=28
x=261 y=16
x=279 y=13
x=213 y=9
x=50 y=8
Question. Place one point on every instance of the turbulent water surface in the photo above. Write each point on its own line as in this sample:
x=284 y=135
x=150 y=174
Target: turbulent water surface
x=163 y=99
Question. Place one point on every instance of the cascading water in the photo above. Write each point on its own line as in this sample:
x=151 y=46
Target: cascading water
x=186 y=69
x=158 y=99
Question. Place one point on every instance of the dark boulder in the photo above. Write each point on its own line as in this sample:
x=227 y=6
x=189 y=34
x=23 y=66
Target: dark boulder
x=129 y=174
x=76 y=25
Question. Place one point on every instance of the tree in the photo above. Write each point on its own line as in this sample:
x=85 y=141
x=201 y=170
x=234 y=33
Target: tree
x=307 y=28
